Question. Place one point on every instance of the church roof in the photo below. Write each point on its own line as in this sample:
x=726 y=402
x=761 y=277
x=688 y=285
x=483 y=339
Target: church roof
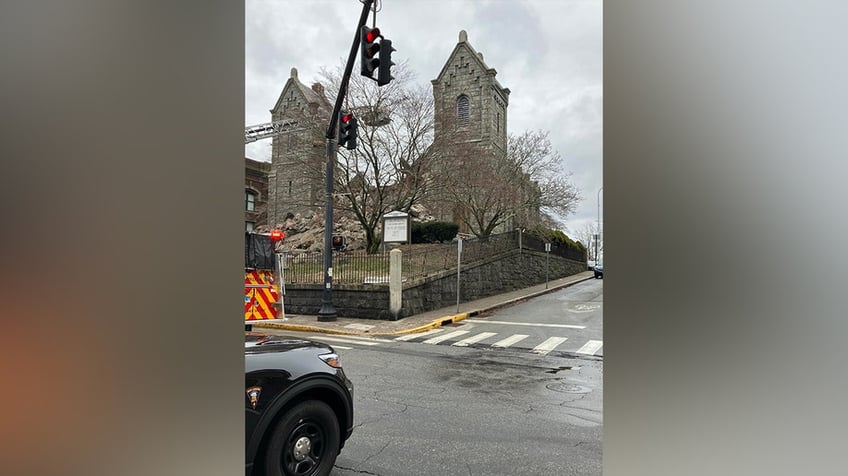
x=463 y=44
x=309 y=94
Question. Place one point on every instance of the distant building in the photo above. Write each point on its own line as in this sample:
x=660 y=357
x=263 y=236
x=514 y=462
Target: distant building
x=255 y=193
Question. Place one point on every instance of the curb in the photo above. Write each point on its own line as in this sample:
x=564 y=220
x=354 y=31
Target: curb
x=436 y=323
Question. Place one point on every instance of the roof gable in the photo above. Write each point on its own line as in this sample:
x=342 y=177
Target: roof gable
x=304 y=93
x=462 y=48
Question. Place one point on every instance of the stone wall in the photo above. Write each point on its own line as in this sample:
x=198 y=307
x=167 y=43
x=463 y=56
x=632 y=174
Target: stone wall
x=365 y=301
x=506 y=272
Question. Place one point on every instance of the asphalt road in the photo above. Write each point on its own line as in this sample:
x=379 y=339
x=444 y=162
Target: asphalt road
x=427 y=406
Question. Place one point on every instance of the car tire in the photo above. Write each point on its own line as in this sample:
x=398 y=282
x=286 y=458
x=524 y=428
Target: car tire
x=305 y=441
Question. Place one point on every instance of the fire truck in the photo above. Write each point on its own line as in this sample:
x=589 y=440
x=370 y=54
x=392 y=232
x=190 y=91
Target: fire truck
x=263 y=278
x=264 y=286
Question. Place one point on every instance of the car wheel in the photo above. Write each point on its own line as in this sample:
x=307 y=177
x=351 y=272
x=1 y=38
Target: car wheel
x=305 y=442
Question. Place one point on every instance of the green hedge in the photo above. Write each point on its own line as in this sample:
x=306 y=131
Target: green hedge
x=434 y=231
x=557 y=237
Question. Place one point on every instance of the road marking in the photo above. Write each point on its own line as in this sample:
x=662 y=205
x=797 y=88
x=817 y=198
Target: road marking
x=534 y=324
x=444 y=337
x=510 y=340
x=421 y=334
x=367 y=339
x=549 y=345
x=346 y=341
x=475 y=338
x=342 y=347
x=591 y=347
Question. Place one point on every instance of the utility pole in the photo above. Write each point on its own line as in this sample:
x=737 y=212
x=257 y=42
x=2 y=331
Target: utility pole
x=328 y=311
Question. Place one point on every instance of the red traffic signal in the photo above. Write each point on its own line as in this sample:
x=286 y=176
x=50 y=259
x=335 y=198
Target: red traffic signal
x=348 y=130
x=368 y=59
x=277 y=235
x=372 y=34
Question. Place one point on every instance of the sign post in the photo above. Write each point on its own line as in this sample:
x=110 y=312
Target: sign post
x=458 y=266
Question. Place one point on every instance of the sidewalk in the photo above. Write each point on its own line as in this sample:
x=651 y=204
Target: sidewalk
x=419 y=322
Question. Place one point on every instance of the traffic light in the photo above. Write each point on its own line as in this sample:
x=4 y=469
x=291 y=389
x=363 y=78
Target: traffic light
x=369 y=61
x=375 y=56
x=348 y=127
x=384 y=71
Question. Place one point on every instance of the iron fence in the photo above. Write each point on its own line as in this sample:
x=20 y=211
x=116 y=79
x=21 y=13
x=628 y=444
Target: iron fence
x=418 y=261
x=349 y=267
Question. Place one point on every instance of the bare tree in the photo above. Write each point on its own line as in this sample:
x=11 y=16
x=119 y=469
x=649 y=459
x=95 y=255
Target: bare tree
x=387 y=170
x=533 y=155
x=526 y=183
x=586 y=235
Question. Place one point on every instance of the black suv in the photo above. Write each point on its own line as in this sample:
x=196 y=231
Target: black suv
x=299 y=406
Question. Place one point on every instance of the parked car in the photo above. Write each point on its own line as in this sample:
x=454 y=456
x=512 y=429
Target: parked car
x=599 y=270
x=299 y=406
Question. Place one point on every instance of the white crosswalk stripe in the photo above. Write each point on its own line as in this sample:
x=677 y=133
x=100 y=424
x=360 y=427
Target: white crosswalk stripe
x=475 y=338
x=510 y=340
x=344 y=341
x=439 y=336
x=415 y=336
x=550 y=344
x=444 y=337
x=591 y=347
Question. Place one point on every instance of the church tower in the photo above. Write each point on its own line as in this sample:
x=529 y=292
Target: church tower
x=470 y=104
x=470 y=117
x=298 y=158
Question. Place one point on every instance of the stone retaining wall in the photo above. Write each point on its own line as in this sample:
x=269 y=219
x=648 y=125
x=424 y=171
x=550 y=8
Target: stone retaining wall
x=506 y=272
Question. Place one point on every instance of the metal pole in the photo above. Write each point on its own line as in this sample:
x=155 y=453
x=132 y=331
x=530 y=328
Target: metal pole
x=598 y=231
x=458 y=266
x=328 y=311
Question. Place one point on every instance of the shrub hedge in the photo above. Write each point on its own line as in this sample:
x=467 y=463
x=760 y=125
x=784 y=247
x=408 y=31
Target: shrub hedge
x=433 y=231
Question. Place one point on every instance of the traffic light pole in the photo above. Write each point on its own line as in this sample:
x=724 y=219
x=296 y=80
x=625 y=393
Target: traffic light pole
x=328 y=311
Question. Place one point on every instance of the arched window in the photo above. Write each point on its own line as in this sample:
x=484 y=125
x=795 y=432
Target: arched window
x=462 y=111
x=249 y=200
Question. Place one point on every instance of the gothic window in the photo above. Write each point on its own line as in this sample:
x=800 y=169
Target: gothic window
x=498 y=124
x=249 y=200
x=462 y=111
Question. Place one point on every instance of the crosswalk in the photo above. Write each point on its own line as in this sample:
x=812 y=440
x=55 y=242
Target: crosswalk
x=461 y=338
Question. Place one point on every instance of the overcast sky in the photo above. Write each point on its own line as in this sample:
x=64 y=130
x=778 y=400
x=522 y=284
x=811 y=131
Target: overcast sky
x=549 y=54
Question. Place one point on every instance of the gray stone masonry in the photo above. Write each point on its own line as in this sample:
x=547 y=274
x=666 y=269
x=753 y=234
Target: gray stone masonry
x=506 y=272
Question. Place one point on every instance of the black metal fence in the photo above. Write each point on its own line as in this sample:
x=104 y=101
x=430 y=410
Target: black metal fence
x=537 y=244
x=349 y=267
x=418 y=261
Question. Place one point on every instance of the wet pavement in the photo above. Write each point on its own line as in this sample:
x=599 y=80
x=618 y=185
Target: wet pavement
x=419 y=322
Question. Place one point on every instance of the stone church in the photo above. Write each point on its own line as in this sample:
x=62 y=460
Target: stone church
x=470 y=109
x=296 y=179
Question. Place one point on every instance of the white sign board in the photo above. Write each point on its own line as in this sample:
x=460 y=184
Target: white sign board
x=396 y=227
